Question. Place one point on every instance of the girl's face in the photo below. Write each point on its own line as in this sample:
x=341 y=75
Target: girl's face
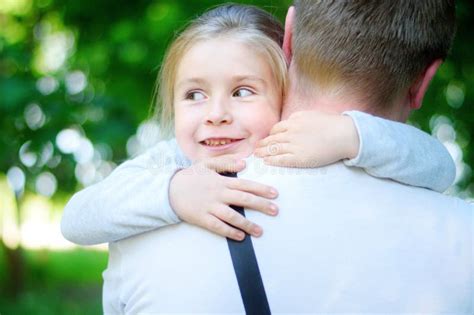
x=225 y=99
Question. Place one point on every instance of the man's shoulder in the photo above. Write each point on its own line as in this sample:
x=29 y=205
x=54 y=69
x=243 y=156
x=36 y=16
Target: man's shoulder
x=348 y=182
x=256 y=167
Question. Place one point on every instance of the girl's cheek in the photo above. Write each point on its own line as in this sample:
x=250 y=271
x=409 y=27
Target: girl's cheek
x=275 y=114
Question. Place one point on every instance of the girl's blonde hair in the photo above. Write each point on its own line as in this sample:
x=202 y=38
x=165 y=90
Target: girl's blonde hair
x=251 y=25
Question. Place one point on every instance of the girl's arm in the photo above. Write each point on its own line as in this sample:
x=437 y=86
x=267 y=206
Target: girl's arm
x=136 y=197
x=402 y=152
x=131 y=200
x=383 y=148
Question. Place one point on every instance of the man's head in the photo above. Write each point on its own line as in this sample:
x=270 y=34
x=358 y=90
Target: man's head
x=381 y=52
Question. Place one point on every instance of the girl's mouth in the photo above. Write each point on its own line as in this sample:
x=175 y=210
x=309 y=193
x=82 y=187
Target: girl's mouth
x=220 y=143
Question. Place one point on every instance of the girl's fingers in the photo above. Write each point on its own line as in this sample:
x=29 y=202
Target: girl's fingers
x=252 y=187
x=235 y=219
x=250 y=201
x=282 y=126
x=285 y=160
x=274 y=149
x=216 y=225
x=273 y=139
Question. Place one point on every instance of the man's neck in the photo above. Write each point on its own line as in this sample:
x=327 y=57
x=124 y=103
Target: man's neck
x=335 y=100
x=332 y=101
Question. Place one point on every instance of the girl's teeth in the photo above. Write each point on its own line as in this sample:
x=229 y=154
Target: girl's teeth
x=217 y=142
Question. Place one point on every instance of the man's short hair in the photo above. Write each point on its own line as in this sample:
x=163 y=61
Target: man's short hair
x=378 y=47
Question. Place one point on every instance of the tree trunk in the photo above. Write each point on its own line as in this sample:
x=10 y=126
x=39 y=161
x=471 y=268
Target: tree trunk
x=15 y=270
x=15 y=264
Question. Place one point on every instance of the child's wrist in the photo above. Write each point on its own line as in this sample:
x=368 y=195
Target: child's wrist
x=351 y=137
x=173 y=192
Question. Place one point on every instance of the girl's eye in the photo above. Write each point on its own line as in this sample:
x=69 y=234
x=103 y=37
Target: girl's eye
x=242 y=92
x=195 y=96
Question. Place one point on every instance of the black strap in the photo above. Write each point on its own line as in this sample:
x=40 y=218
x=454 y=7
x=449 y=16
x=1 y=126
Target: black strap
x=247 y=272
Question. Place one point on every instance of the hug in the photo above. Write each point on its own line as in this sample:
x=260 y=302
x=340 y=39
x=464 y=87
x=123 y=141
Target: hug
x=363 y=228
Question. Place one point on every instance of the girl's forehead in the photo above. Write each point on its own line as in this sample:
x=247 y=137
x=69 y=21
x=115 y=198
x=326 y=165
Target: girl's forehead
x=222 y=48
x=222 y=58
x=223 y=40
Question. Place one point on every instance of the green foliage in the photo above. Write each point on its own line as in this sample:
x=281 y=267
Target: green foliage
x=58 y=283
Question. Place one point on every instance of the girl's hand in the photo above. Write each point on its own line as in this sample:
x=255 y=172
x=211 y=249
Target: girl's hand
x=200 y=196
x=310 y=139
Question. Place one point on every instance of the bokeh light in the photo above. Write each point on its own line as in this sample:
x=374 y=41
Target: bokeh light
x=46 y=184
x=34 y=116
x=16 y=179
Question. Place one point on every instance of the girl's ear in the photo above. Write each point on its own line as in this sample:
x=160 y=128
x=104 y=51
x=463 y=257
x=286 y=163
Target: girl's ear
x=287 y=38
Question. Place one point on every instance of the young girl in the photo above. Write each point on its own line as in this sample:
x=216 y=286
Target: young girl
x=222 y=83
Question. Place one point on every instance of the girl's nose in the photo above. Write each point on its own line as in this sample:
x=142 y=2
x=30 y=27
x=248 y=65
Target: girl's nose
x=219 y=113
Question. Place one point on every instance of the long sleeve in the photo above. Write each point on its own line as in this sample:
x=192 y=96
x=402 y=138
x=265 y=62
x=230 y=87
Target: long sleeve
x=131 y=200
x=390 y=149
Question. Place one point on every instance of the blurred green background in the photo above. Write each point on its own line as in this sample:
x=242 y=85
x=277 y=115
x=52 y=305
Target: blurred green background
x=76 y=83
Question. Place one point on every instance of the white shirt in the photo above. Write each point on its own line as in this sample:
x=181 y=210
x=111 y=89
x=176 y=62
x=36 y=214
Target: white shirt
x=343 y=242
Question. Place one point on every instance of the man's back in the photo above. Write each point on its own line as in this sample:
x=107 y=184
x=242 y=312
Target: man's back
x=343 y=242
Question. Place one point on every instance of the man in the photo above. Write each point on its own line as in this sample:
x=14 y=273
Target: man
x=344 y=241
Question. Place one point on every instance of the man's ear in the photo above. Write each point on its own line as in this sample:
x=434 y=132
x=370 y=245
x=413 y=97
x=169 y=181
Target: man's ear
x=287 y=38
x=419 y=88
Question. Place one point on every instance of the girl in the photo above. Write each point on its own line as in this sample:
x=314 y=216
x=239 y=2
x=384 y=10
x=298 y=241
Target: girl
x=222 y=83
